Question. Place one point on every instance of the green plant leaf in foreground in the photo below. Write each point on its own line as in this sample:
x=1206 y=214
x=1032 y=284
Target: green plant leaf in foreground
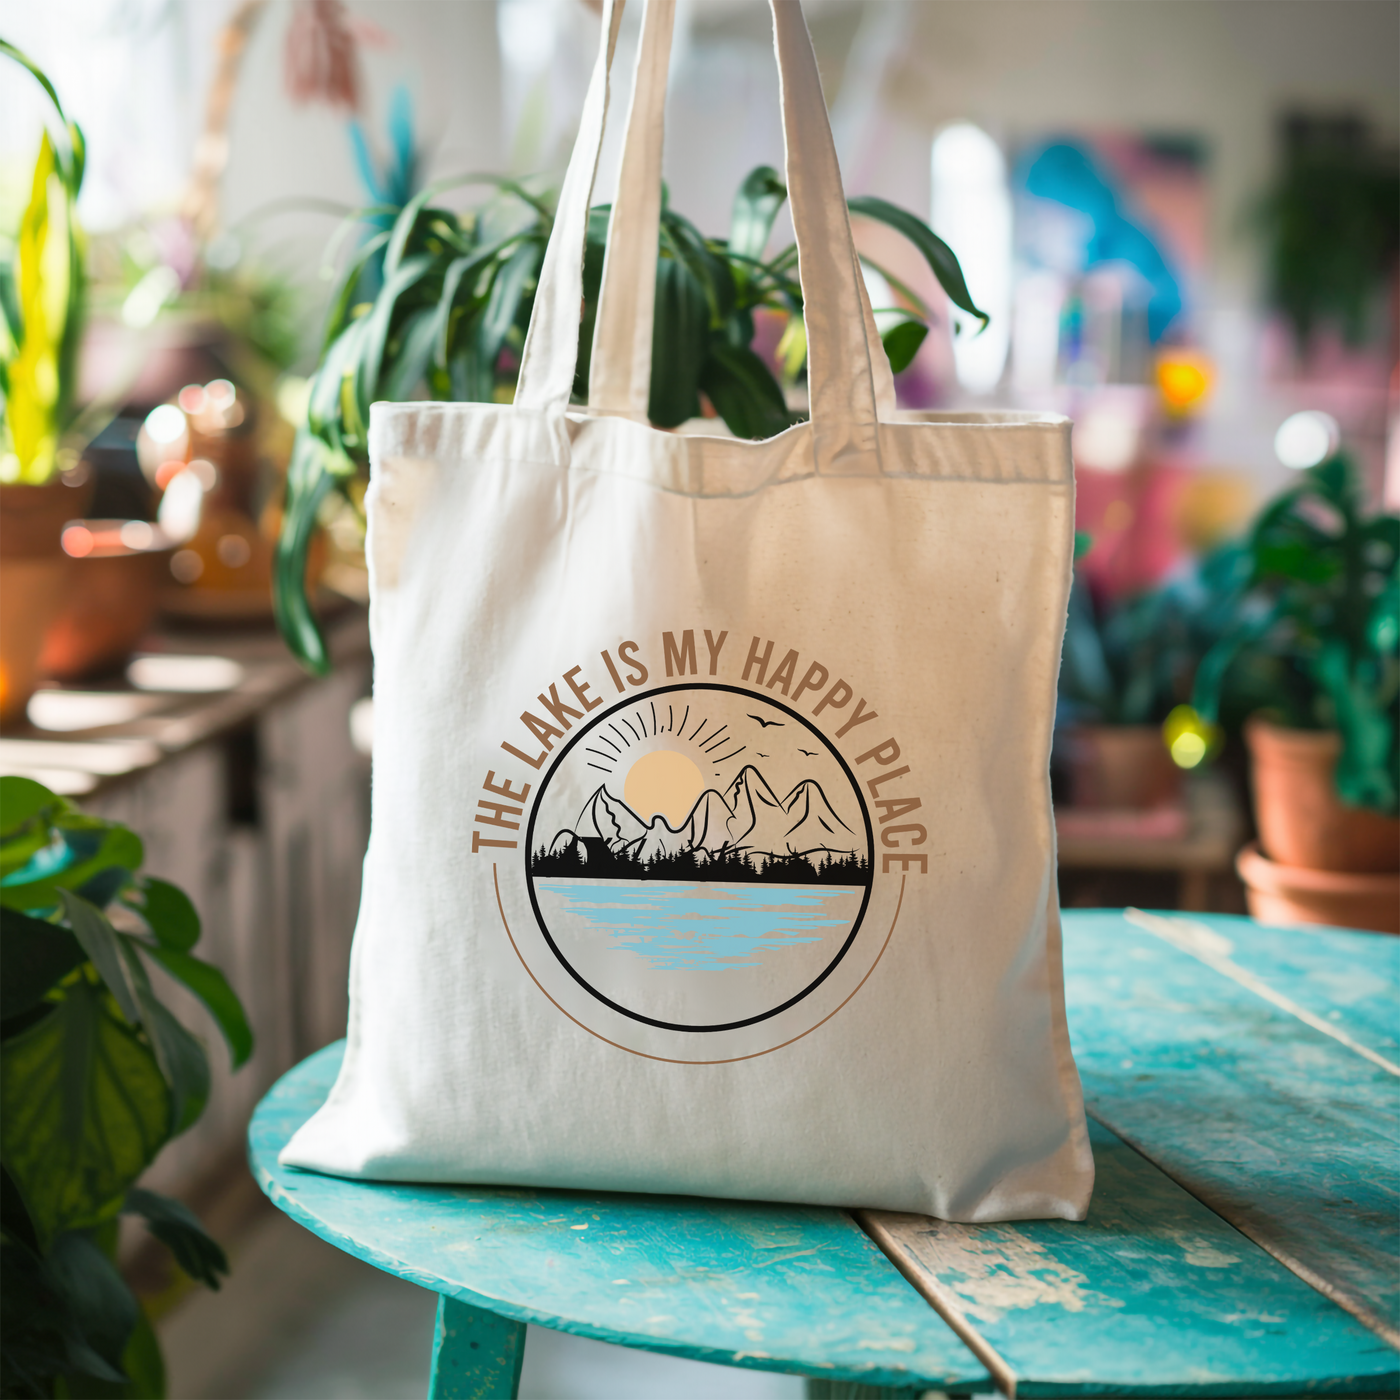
x=84 y=1109
x=939 y=256
x=34 y=955
x=177 y=1227
x=212 y=988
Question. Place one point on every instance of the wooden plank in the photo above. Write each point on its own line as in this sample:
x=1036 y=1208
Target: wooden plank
x=1346 y=977
x=1153 y=1294
x=774 y=1287
x=1282 y=1129
x=477 y=1355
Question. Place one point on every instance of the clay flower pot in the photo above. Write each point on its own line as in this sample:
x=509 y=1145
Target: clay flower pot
x=1301 y=820
x=34 y=578
x=1293 y=894
x=115 y=578
x=1121 y=766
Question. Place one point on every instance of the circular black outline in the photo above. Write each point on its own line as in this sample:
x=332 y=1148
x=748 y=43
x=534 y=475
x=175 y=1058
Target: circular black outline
x=636 y=1015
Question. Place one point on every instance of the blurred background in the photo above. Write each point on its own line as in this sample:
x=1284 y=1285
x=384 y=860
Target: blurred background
x=1183 y=221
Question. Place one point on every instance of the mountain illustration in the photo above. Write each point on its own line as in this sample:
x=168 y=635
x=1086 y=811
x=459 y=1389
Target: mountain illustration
x=745 y=833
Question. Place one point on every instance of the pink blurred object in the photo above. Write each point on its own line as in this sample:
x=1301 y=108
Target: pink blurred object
x=321 y=63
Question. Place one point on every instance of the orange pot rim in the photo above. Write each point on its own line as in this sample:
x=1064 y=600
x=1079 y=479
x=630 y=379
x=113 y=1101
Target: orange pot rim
x=1273 y=877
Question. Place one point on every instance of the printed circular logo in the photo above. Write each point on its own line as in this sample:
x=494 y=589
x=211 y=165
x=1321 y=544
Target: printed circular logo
x=699 y=858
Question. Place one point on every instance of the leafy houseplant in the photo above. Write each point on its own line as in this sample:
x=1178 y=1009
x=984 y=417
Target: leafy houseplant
x=96 y=1075
x=1125 y=673
x=1331 y=226
x=1317 y=620
x=451 y=313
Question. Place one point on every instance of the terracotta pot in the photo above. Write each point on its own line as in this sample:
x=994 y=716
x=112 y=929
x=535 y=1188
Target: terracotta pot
x=1293 y=894
x=34 y=574
x=1121 y=766
x=116 y=573
x=1301 y=820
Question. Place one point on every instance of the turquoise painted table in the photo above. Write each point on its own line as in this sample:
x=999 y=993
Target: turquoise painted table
x=1244 y=1237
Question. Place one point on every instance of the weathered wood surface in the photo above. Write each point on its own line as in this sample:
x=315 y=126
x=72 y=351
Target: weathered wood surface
x=1285 y=1130
x=783 y=1288
x=477 y=1355
x=1152 y=1294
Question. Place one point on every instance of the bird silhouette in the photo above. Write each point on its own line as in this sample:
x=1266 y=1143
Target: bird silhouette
x=767 y=722
x=808 y=752
x=764 y=755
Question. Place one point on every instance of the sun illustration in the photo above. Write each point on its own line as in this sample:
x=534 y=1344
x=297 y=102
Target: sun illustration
x=663 y=781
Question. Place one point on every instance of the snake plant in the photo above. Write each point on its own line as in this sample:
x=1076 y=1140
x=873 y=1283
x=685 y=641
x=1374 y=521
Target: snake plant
x=450 y=312
x=42 y=295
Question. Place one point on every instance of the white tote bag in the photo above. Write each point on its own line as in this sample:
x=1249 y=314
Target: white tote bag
x=712 y=844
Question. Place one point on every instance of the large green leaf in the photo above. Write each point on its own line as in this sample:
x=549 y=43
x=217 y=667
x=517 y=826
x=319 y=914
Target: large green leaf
x=679 y=344
x=939 y=256
x=309 y=482
x=181 y=1057
x=98 y=1301
x=84 y=1109
x=744 y=392
x=21 y=799
x=34 y=956
x=178 y=1228
x=211 y=987
x=169 y=914
x=902 y=340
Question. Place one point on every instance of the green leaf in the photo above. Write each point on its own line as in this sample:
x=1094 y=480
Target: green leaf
x=939 y=256
x=408 y=365
x=23 y=798
x=504 y=302
x=34 y=956
x=143 y=1362
x=756 y=207
x=181 y=1057
x=744 y=392
x=369 y=364
x=178 y=1228
x=679 y=344
x=84 y=1109
x=309 y=482
x=98 y=1301
x=102 y=944
x=169 y=914
x=902 y=342
x=89 y=847
x=211 y=987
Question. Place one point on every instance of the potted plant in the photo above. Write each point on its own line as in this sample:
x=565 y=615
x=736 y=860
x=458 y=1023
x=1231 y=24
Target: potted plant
x=81 y=597
x=42 y=289
x=1125 y=673
x=449 y=303
x=1316 y=621
x=96 y=1076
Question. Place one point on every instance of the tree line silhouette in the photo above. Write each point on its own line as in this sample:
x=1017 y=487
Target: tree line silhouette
x=729 y=865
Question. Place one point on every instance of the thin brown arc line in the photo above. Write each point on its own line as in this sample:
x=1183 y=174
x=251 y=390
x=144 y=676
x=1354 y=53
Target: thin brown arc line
x=665 y=1059
x=695 y=738
x=725 y=757
x=643 y=723
x=608 y=742
x=684 y=717
x=670 y=719
x=1334 y=1293
x=653 y=716
x=938 y=1298
x=619 y=734
x=630 y=730
x=715 y=738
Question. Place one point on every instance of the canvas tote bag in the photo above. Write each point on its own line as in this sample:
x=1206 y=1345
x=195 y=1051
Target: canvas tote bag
x=712 y=845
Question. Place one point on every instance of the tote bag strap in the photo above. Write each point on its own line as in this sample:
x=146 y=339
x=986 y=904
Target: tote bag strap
x=843 y=341
x=848 y=374
x=551 y=343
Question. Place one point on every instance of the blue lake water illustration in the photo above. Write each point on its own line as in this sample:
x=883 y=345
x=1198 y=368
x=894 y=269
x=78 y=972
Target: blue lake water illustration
x=698 y=927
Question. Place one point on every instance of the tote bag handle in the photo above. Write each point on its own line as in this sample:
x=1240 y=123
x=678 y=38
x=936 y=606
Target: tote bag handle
x=848 y=375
